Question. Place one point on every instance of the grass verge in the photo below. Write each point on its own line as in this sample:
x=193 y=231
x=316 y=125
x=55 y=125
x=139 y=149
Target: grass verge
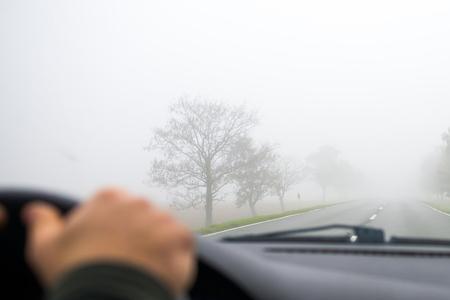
x=246 y=221
x=442 y=206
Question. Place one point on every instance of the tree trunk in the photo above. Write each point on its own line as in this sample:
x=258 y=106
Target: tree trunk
x=208 y=205
x=209 y=197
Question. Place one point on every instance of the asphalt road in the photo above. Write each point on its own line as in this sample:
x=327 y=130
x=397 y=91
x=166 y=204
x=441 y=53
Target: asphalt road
x=400 y=218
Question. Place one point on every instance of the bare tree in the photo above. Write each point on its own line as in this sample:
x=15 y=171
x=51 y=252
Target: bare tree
x=195 y=151
x=256 y=176
x=288 y=174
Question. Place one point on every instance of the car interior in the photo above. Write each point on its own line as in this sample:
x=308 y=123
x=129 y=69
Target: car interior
x=304 y=144
x=258 y=268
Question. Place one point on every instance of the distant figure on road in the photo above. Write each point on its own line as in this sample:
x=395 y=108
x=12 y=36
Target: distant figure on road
x=298 y=196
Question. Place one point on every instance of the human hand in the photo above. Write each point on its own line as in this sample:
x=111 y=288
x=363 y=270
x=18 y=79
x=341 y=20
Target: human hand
x=112 y=226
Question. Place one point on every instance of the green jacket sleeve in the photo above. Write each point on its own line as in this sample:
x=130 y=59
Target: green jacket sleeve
x=108 y=281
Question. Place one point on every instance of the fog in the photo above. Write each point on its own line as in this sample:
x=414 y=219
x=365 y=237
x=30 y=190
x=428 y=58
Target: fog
x=84 y=83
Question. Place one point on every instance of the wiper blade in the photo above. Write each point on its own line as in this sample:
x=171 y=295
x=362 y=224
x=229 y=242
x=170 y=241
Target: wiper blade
x=296 y=239
x=418 y=241
x=360 y=234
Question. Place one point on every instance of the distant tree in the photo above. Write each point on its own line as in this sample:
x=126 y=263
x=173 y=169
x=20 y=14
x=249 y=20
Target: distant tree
x=436 y=170
x=325 y=166
x=446 y=139
x=288 y=174
x=435 y=178
x=444 y=169
x=257 y=174
x=195 y=151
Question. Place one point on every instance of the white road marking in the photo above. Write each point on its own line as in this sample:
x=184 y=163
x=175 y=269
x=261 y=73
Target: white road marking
x=436 y=210
x=373 y=217
x=236 y=228
x=380 y=208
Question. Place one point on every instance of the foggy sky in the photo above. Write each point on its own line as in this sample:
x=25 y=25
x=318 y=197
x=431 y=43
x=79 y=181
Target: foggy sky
x=83 y=83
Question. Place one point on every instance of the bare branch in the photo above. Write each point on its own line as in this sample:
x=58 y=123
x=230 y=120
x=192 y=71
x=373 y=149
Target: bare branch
x=196 y=150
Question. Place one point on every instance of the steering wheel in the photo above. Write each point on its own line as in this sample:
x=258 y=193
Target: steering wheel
x=17 y=281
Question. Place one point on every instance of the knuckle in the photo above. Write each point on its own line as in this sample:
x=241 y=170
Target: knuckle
x=109 y=193
x=180 y=231
x=166 y=218
x=186 y=234
x=141 y=203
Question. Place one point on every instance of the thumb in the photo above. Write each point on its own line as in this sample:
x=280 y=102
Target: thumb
x=43 y=222
x=3 y=216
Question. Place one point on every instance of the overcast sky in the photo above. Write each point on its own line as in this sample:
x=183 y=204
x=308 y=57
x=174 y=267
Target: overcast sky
x=82 y=83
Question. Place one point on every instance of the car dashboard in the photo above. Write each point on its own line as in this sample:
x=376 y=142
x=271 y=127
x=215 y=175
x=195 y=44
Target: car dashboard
x=285 y=271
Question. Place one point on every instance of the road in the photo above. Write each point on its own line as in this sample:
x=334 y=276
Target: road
x=405 y=218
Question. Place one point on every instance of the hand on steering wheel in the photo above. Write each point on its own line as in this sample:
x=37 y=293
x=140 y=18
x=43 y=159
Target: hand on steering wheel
x=112 y=226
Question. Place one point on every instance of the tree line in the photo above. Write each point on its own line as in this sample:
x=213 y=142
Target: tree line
x=205 y=150
x=436 y=170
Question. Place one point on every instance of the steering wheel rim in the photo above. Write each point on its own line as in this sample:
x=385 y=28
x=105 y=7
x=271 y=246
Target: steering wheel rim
x=16 y=277
x=18 y=280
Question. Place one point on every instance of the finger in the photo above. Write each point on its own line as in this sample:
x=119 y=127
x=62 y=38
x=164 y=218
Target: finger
x=110 y=192
x=3 y=216
x=185 y=264
x=188 y=267
x=43 y=222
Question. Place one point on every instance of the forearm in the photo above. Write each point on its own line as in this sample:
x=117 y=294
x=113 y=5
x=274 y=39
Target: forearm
x=108 y=281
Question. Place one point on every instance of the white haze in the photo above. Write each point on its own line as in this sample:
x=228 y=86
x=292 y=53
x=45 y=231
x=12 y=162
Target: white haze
x=83 y=83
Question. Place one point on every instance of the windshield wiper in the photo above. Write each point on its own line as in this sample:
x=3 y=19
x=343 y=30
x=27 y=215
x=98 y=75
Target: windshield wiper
x=418 y=241
x=360 y=234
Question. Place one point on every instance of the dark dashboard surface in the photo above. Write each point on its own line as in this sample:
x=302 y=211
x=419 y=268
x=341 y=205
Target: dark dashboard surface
x=311 y=271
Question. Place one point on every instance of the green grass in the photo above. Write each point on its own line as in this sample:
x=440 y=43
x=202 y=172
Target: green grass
x=246 y=221
x=442 y=206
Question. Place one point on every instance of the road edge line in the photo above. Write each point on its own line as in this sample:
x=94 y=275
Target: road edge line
x=436 y=210
x=267 y=221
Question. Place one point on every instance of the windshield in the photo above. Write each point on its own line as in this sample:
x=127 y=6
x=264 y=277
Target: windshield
x=238 y=116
